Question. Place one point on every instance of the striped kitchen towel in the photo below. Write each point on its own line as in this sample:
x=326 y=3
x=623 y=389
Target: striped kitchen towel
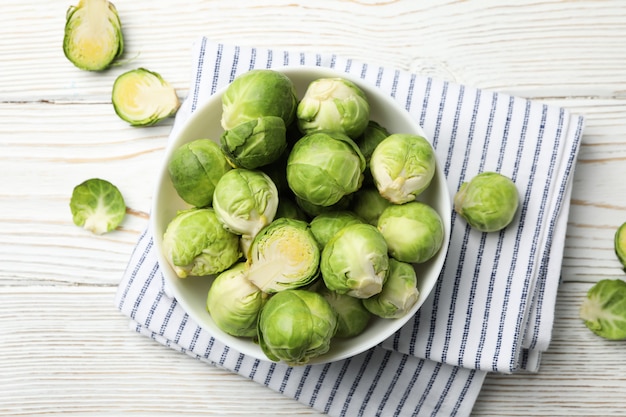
x=493 y=306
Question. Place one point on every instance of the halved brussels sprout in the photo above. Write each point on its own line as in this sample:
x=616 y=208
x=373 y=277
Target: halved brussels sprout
x=333 y=104
x=325 y=166
x=355 y=261
x=258 y=93
x=488 y=202
x=296 y=326
x=399 y=293
x=195 y=168
x=604 y=309
x=93 y=35
x=97 y=205
x=284 y=255
x=403 y=166
x=352 y=316
x=143 y=98
x=255 y=143
x=245 y=201
x=234 y=303
x=326 y=225
x=196 y=244
x=414 y=231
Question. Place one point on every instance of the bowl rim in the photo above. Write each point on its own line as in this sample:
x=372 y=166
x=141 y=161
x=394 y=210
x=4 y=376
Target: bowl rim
x=246 y=346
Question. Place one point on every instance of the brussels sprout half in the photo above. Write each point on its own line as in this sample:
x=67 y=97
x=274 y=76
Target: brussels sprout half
x=604 y=309
x=234 y=303
x=93 y=35
x=143 y=98
x=488 y=202
x=284 y=255
x=196 y=244
x=97 y=205
x=296 y=326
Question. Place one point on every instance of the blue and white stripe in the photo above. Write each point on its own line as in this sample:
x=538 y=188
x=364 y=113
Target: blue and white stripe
x=493 y=306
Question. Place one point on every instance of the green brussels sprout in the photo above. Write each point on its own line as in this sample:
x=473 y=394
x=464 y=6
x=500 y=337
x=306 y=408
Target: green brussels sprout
x=288 y=208
x=143 y=98
x=352 y=316
x=313 y=210
x=399 y=293
x=196 y=244
x=195 y=169
x=414 y=231
x=93 y=35
x=284 y=255
x=326 y=225
x=234 y=303
x=355 y=261
x=333 y=104
x=255 y=143
x=368 y=204
x=367 y=142
x=257 y=93
x=403 y=166
x=604 y=309
x=323 y=167
x=619 y=244
x=245 y=201
x=488 y=202
x=296 y=326
x=97 y=205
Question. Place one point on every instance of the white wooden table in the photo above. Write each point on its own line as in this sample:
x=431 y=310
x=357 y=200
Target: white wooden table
x=66 y=350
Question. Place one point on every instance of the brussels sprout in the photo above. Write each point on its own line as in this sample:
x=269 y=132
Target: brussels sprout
x=399 y=293
x=296 y=326
x=333 y=104
x=255 y=143
x=143 y=98
x=245 y=201
x=93 y=35
x=195 y=243
x=414 y=231
x=604 y=309
x=284 y=255
x=325 y=166
x=257 y=93
x=313 y=210
x=368 y=204
x=234 y=303
x=355 y=261
x=195 y=169
x=488 y=202
x=403 y=166
x=97 y=205
x=367 y=142
x=326 y=225
x=289 y=209
x=352 y=316
x=620 y=244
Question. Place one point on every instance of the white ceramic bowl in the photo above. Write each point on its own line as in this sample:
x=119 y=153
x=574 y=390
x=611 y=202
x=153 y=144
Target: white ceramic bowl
x=191 y=292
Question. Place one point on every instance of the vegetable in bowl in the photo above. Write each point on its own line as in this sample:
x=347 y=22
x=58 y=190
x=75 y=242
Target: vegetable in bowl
x=286 y=254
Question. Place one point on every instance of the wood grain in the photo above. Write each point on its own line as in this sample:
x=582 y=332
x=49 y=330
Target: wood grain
x=65 y=349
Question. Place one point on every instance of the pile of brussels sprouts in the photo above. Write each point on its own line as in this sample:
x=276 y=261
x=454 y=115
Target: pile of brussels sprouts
x=305 y=212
